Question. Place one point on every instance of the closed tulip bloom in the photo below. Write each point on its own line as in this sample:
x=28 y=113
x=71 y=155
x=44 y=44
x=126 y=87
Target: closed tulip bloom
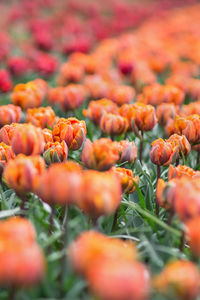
x=7 y=132
x=127 y=151
x=121 y=94
x=92 y=246
x=19 y=229
x=166 y=111
x=60 y=184
x=6 y=153
x=18 y=65
x=144 y=117
x=170 y=127
x=70 y=72
x=193 y=235
x=47 y=134
x=55 y=95
x=132 y=280
x=163 y=153
x=41 y=116
x=55 y=152
x=26 y=264
x=182 y=171
x=74 y=95
x=9 y=114
x=23 y=173
x=97 y=108
x=70 y=130
x=98 y=87
x=191 y=109
x=100 y=155
x=30 y=94
x=165 y=193
x=5 y=81
x=101 y=193
x=188 y=126
x=181 y=142
x=127 y=180
x=180 y=277
x=113 y=124
x=28 y=140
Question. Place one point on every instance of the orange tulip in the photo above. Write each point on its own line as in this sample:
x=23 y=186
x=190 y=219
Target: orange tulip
x=74 y=95
x=132 y=280
x=113 y=124
x=165 y=193
x=41 y=116
x=6 y=153
x=55 y=95
x=30 y=94
x=100 y=155
x=97 y=108
x=92 y=246
x=163 y=153
x=7 y=132
x=60 y=184
x=193 y=235
x=27 y=139
x=101 y=194
x=166 y=111
x=127 y=151
x=180 y=277
x=55 y=152
x=9 y=114
x=70 y=130
x=23 y=173
x=70 y=72
x=188 y=126
x=127 y=179
x=143 y=117
x=191 y=109
x=47 y=134
x=18 y=229
x=182 y=171
x=121 y=94
x=181 y=142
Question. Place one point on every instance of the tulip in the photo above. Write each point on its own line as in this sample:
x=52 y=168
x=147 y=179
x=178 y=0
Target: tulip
x=7 y=132
x=92 y=246
x=127 y=151
x=47 y=134
x=101 y=194
x=193 y=235
x=97 y=108
x=100 y=155
x=18 y=65
x=41 y=116
x=70 y=72
x=98 y=87
x=121 y=94
x=132 y=280
x=9 y=114
x=74 y=95
x=55 y=152
x=60 y=184
x=30 y=94
x=166 y=111
x=55 y=95
x=6 y=153
x=5 y=81
x=180 y=277
x=182 y=171
x=188 y=126
x=112 y=124
x=163 y=153
x=70 y=130
x=27 y=139
x=127 y=180
x=183 y=144
x=23 y=172
x=18 y=229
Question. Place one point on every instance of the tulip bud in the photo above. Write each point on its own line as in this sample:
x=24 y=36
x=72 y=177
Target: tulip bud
x=100 y=155
x=27 y=139
x=121 y=94
x=47 y=134
x=132 y=280
x=74 y=95
x=6 y=153
x=188 y=126
x=101 y=193
x=23 y=173
x=70 y=130
x=113 y=124
x=181 y=142
x=70 y=72
x=127 y=151
x=55 y=95
x=7 y=132
x=41 y=116
x=143 y=117
x=180 y=277
x=127 y=180
x=5 y=81
x=9 y=114
x=165 y=194
x=55 y=152
x=97 y=108
x=92 y=246
x=162 y=153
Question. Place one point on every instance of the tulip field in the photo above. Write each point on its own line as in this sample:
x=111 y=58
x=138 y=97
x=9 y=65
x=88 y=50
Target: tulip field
x=100 y=150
